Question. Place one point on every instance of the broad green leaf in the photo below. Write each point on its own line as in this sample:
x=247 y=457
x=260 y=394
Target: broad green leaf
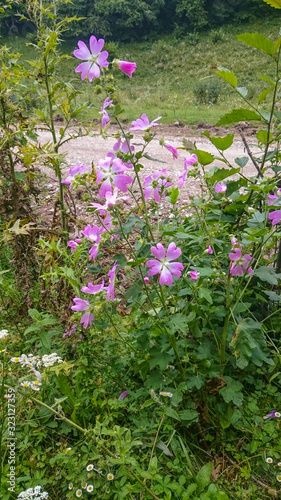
x=222 y=173
x=65 y=388
x=242 y=161
x=264 y=94
x=267 y=274
x=203 y=478
x=258 y=41
x=179 y=322
x=232 y=392
x=262 y=136
x=227 y=76
x=238 y=115
x=172 y=413
x=247 y=337
x=206 y=294
x=189 y=415
x=174 y=195
x=221 y=143
x=203 y=157
x=274 y=3
x=277 y=44
x=158 y=358
x=45 y=338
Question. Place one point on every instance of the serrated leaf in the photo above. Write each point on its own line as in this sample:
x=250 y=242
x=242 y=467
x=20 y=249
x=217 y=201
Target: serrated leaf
x=238 y=115
x=222 y=173
x=258 y=41
x=267 y=274
x=187 y=144
x=242 y=161
x=232 y=392
x=221 y=143
x=274 y=3
x=227 y=76
x=17 y=230
x=206 y=294
x=247 y=337
x=204 y=157
x=273 y=296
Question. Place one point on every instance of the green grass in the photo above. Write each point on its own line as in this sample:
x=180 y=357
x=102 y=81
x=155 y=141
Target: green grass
x=168 y=70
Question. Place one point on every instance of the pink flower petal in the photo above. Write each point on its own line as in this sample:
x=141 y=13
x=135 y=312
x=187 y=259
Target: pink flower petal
x=158 y=251
x=173 y=252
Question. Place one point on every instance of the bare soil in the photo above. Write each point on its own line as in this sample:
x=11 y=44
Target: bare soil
x=90 y=149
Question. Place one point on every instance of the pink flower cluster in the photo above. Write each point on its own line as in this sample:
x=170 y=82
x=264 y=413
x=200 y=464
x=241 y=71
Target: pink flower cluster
x=156 y=185
x=241 y=263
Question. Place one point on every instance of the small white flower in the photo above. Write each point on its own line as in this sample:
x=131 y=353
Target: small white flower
x=79 y=493
x=278 y=478
x=35 y=387
x=70 y=486
x=15 y=360
x=166 y=394
x=67 y=450
x=25 y=384
x=269 y=460
x=279 y=464
x=3 y=334
x=83 y=485
x=110 y=476
x=90 y=488
x=89 y=467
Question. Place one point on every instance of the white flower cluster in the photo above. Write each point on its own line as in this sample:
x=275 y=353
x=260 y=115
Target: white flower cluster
x=51 y=359
x=46 y=361
x=25 y=361
x=33 y=494
x=3 y=334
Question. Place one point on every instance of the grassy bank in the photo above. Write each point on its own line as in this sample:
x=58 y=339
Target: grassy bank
x=173 y=77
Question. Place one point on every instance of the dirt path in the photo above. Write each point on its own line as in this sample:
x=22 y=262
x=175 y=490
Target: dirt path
x=91 y=149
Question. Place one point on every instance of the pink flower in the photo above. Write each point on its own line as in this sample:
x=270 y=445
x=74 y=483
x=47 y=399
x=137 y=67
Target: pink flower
x=94 y=58
x=194 y=275
x=83 y=305
x=156 y=184
x=80 y=304
x=163 y=264
x=93 y=252
x=191 y=160
x=112 y=171
x=110 y=287
x=92 y=233
x=172 y=149
x=111 y=200
x=146 y=280
x=143 y=123
x=124 y=395
x=273 y=414
x=275 y=217
x=105 y=116
x=72 y=245
x=79 y=168
x=125 y=146
x=187 y=162
x=209 y=250
x=92 y=289
x=87 y=319
x=127 y=67
x=242 y=263
x=220 y=187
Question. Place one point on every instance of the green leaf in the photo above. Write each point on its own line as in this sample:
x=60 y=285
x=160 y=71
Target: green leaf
x=227 y=76
x=273 y=296
x=264 y=94
x=189 y=415
x=219 y=174
x=248 y=336
x=148 y=157
x=267 y=274
x=174 y=195
x=206 y=294
x=45 y=338
x=170 y=412
x=274 y=3
x=221 y=143
x=203 y=157
x=203 y=478
x=258 y=41
x=243 y=91
x=130 y=224
x=238 y=115
x=262 y=136
x=242 y=161
x=179 y=322
x=232 y=392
